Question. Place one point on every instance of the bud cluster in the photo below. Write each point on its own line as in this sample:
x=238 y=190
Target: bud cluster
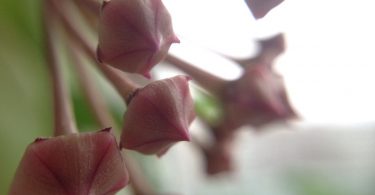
x=133 y=37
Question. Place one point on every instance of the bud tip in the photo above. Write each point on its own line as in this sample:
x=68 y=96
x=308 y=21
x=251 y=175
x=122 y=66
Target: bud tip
x=40 y=139
x=108 y=130
x=105 y=2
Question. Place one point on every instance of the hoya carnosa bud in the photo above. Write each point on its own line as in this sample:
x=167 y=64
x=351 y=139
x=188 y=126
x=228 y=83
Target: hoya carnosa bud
x=260 y=8
x=260 y=96
x=134 y=35
x=158 y=116
x=86 y=163
x=218 y=158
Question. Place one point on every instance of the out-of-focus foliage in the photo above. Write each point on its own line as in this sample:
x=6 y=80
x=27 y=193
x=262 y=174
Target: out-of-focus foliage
x=208 y=107
x=24 y=85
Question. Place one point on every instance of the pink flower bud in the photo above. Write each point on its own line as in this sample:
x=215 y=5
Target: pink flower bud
x=260 y=8
x=158 y=116
x=257 y=98
x=218 y=158
x=134 y=35
x=86 y=163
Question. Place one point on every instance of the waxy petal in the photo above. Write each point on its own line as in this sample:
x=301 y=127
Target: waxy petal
x=86 y=163
x=158 y=116
x=134 y=35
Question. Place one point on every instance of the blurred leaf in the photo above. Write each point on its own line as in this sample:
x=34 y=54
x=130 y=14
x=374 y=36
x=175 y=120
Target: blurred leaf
x=208 y=107
x=84 y=117
x=24 y=85
x=306 y=183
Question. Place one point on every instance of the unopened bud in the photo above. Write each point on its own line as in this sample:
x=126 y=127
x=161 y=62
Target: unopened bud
x=134 y=35
x=158 y=116
x=86 y=163
x=260 y=8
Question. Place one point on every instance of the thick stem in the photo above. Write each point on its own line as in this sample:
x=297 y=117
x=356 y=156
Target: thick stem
x=123 y=85
x=64 y=119
x=210 y=82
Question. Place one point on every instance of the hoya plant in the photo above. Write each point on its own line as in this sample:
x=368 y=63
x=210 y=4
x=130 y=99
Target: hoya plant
x=122 y=38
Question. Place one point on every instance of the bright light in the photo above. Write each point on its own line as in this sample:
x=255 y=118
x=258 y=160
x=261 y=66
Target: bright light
x=329 y=66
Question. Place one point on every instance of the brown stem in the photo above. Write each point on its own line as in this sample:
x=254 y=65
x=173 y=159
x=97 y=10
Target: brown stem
x=210 y=82
x=123 y=85
x=64 y=119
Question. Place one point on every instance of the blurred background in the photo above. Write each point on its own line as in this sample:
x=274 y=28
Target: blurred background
x=328 y=68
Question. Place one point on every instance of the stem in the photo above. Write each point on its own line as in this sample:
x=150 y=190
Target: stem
x=245 y=62
x=64 y=120
x=89 y=13
x=92 y=6
x=94 y=97
x=207 y=80
x=269 y=50
x=123 y=85
x=139 y=183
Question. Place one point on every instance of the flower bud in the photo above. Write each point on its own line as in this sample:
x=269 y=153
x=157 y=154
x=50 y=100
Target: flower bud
x=134 y=35
x=86 y=163
x=218 y=158
x=257 y=98
x=260 y=8
x=158 y=116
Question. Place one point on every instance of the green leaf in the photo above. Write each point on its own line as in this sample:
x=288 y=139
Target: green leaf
x=208 y=107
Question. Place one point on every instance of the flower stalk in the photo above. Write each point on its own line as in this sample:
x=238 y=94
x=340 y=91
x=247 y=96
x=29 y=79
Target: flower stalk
x=64 y=119
x=208 y=81
x=93 y=96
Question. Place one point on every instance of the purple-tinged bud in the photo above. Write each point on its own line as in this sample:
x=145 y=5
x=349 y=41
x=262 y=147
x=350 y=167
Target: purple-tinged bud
x=86 y=163
x=158 y=116
x=40 y=139
x=260 y=8
x=134 y=35
x=218 y=158
x=257 y=98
